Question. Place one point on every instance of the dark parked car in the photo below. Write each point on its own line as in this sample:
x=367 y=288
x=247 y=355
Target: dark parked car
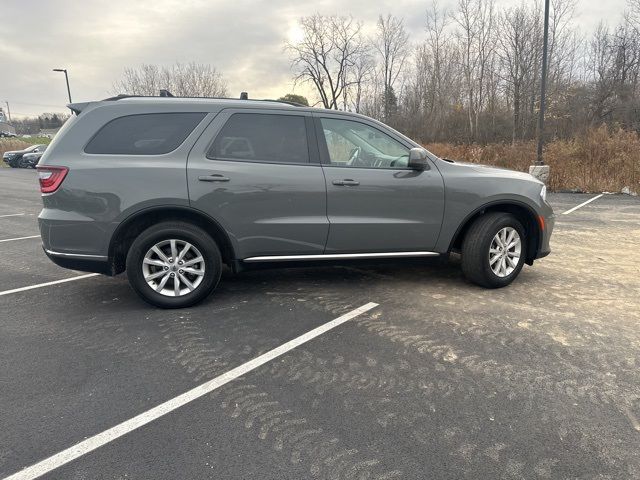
x=30 y=160
x=169 y=189
x=13 y=158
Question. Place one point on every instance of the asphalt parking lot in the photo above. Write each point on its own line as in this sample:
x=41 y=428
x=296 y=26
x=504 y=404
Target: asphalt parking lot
x=441 y=380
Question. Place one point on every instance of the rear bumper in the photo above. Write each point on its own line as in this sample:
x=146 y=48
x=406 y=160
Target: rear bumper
x=82 y=263
x=73 y=234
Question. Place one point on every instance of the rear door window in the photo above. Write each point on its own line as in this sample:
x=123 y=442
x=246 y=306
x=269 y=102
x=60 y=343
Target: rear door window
x=144 y=134
x=256 y=137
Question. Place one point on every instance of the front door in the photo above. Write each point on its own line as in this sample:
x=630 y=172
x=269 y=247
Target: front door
x=374 y=202
x=257 y=173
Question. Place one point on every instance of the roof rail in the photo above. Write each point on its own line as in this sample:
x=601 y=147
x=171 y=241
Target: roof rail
x=122 y=95
x=293 y=104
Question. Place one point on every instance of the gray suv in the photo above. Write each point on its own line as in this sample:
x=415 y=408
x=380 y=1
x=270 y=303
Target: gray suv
x=169 y=189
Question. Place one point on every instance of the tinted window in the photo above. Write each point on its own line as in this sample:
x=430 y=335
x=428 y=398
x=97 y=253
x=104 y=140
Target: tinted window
x=148 y=134
x=355 y=144
x=267 y=138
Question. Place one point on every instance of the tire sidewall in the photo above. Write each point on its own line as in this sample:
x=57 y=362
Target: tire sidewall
x=147 y=239
x=501 y=223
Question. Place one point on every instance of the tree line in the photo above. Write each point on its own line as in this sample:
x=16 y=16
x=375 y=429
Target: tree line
x=33 y=125
x=474 y=74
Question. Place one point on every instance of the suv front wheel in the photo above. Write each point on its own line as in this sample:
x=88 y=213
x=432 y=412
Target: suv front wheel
x=174 y=265
x=494 y=250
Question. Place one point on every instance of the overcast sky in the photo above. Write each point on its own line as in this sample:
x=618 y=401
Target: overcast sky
x=96 y=40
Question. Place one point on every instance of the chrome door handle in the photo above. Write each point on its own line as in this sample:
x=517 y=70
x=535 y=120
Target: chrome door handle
x=347 y=182
x=216 y=177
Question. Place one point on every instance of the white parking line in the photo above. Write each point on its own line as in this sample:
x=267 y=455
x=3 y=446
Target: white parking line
x=582 y=204
x=12 y=215
x=97 y=441
x=40 y=285
x=19 y=238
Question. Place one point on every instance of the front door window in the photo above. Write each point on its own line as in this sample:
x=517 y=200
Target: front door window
x=355 y=144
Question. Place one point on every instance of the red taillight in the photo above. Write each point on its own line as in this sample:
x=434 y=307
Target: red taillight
x=51 y=177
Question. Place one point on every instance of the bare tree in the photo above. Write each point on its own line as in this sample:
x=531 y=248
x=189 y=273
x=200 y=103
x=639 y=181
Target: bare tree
x=433 y=92
x=563 y=43
x=392 y=42
x=518 y=51
x=363 y=72
x=600 y=65
x=184 y=80
x=476 y=74
x=476 y=20
x=633 y=14
x=325 y=57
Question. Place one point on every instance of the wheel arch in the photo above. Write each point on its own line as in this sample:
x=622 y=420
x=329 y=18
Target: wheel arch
x=523 y=212
x=136 y=223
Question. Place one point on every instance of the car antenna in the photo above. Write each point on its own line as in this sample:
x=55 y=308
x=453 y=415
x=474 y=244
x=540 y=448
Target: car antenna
x=244 y=96
x=165 y=93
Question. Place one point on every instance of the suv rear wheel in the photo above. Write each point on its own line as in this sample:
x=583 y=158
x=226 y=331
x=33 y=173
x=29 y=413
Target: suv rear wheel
x=174 y=265
x=494 y=250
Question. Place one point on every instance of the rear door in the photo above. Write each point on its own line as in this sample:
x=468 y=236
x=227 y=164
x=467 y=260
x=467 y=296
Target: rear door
x=257 y=172
x=375 y=203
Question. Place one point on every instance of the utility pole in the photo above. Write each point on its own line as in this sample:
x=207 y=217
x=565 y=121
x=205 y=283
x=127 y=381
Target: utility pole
x=8 y=110
x=66 y=76
x=539 y=169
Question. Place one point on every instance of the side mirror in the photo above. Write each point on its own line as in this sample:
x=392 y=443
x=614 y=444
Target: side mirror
x=418 y=159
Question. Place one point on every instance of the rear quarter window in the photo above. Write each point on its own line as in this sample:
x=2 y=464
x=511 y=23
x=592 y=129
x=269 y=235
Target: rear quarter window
x=144 y=134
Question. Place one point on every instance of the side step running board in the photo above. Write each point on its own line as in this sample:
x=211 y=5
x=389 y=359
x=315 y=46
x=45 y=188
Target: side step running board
x=337 y=256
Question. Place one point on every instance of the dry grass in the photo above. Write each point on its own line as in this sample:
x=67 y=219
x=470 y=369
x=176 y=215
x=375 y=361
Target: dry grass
x=7 y=144
x=597 y=161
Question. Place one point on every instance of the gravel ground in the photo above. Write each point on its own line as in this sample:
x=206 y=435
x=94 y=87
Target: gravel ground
x=442 y=380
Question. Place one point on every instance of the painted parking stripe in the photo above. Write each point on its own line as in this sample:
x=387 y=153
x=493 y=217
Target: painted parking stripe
x=46 y=284
x=12 y=215
x=582 y=204
x=19 y=238
x=97 y=441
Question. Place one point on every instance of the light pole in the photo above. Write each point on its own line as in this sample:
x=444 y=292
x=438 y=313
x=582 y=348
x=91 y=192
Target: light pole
x=543 y=84
x=66 y=76
x=539 y=169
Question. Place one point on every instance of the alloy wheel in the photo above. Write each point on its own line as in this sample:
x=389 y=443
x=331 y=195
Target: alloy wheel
x=505 y=251
x=173 y=267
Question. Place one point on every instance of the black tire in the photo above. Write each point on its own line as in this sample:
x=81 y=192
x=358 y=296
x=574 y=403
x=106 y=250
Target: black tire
x=476 y=245
x=179 y=231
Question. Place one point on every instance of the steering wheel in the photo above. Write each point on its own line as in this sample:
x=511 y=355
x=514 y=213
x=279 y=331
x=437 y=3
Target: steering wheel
x=354 y=155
